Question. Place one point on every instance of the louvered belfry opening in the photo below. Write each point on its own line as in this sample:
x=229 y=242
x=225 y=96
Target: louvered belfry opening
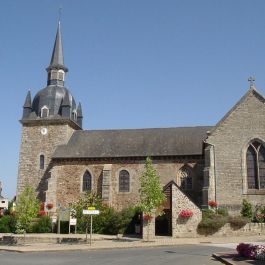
x=163 y=223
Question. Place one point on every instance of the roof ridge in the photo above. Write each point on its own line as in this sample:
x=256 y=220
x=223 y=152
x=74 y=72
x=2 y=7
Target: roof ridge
x=153 y=128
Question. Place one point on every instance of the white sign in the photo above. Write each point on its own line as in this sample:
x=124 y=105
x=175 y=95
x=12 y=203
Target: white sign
x=72 y=221
x=91 y=212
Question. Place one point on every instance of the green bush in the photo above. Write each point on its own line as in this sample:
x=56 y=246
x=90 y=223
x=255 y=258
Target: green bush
x=208 y=214
x=209 y=226
x=237 y=222
x=211 y=222
x=247 y=210
x=7 y=224
x=109 y=221
x=43 y=225
x=222 y=211
x=112 y=222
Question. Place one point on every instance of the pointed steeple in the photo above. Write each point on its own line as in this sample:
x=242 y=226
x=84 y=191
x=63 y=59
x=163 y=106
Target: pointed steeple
x=56 y=70
x=27 y=103
x=79 y=115
x=57 y=60
x=27 y=107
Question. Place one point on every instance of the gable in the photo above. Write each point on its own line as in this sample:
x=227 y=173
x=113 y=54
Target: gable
x=246 y=111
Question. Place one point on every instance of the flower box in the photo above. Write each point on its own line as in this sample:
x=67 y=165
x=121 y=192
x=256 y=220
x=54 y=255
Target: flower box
x=186 y=213
x=213 y=204
x=49 y=206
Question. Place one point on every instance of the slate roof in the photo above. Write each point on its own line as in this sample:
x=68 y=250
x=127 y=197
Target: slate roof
x=134 y=143
x=52 y=97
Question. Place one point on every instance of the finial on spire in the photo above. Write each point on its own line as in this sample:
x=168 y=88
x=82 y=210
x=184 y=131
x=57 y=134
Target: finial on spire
x=251 y=81
x=60 y=13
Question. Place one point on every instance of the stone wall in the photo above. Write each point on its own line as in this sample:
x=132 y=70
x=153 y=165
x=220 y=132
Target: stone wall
x=228 y=143
x=184 y=227
x=34 y=144
x=148 y=230
x=251 y=229
x=67 y=177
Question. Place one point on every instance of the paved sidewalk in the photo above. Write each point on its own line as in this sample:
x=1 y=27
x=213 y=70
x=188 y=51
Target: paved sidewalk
x=113 y=242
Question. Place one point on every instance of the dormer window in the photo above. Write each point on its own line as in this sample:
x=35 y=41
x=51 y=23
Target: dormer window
x=74 y=115
x=61 y=75
x=44 y=112
x=53 y=74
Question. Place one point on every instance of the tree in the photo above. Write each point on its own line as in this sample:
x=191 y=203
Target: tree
x=151 y=192
x=27 y=208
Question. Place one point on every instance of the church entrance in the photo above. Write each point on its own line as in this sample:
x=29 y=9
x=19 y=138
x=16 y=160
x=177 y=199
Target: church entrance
x=163 y=223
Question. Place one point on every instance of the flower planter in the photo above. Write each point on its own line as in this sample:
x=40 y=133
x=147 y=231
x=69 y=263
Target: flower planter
x=186 y=214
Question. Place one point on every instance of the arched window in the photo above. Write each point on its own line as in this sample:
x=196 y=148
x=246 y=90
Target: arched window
x=42 y=160
x=185 y=178
x=44 y=112
x=87 y=181
x=124 y=181
x=256 y=166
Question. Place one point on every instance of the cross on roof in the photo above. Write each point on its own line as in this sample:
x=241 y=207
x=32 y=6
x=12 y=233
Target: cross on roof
x=251 y=81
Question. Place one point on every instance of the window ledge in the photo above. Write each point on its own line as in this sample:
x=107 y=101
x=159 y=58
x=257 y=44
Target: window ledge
x=255 y=192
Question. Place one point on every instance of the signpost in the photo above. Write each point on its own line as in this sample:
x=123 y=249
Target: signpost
x=72 y=219
x=90 y=211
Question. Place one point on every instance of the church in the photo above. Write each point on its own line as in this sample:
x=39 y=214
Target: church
x=224 y=163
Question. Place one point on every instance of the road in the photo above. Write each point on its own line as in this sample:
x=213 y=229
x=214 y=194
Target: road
x=177 y=255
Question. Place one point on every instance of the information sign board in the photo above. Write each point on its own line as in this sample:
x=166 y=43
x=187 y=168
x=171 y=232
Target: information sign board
x=72 y=221
x=91 y=212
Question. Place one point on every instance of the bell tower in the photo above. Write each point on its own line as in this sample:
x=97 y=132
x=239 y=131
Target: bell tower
x=47 y=121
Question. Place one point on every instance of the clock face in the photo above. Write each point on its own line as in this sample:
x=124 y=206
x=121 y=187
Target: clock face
x=43 y=131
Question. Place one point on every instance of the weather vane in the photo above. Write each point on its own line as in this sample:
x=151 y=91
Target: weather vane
x=251 y=81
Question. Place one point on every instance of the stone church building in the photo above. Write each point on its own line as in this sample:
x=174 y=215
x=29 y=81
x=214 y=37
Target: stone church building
x=224 y=163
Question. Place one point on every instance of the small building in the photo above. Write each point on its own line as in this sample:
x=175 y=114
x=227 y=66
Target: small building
x=3 y=202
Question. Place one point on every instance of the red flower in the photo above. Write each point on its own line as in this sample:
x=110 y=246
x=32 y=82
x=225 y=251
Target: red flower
x=148 y=217
x=186 y=213
x=212 y=204
x=42 y=213
x=49 y=206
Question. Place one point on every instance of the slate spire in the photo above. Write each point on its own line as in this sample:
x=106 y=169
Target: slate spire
x=27 y=103
x=79 y=115
x=56 y=70
x=27 y=107
x=57 y=60
x=66 y=106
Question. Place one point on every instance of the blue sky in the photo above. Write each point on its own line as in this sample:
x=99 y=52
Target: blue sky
x=132 y=64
